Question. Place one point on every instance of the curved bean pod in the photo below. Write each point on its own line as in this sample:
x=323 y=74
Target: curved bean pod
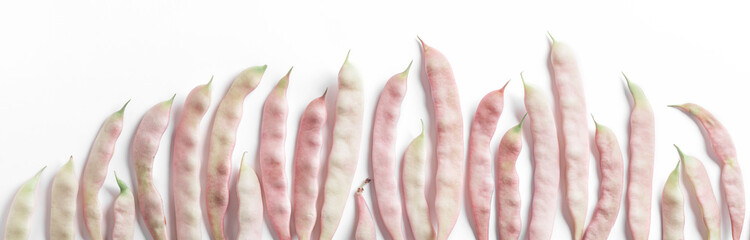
x=641 y=166
x=17 y=226
x=479 y=163
x=186 y=161
x=383 y=155
x=221 y=145
x=704 y=193
x=365 y=226
x=307 y=166
x=508 y=198
x=250 y=200
x=64 y=191
x=342 y=160
x=95 y=172
x=449 y=149
x=731 y=175
x=413 y=185
x=610 y=188
x=145 y=144
x=673 y=208
x=575 y=140
x=546 y=163
x=272 y=157
x=124 y=213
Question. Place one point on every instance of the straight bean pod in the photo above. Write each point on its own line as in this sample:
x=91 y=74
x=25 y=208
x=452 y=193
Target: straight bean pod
x=307 y=166
x=413 y=172
x=508 y=198
x=479 y=163
x=383 y=157
x=704 y=193
x=18 y=224
x=62 y=213
x=571 y=105
x=95 y=172
x=546 y=163
x=342 y=159
x=673 y=208
x=221 y=146
x=641 y=165
x=145 y=144
x=449 y=149
x=186 y=161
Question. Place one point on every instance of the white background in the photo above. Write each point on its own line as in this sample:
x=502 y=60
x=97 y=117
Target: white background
x=65 y=66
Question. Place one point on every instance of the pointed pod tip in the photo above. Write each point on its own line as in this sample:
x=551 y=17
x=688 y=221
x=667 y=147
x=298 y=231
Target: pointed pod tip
x=122 y=109
x=39 y=173
x=346 y=60
x=408 y=68
x=502 y=89
x=682 y=155
x=120 y=183
x=171 y=99
x=422 y=121
x=324 y=94
x=520 y=123
x=551 y=37
x=210 y=81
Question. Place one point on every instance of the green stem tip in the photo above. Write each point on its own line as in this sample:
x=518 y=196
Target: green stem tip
x=551 y=37
x=122 y=109
x=210 y=81
x=123 y=186
x=682 y=155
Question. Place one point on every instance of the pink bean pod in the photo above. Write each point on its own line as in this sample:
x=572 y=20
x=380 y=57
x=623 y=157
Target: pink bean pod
x=546 y=163
x=145 y=144
x=221 y=145
x=18 y=222
x=673 y=208
x=704 y=193
x=413 y=185
x=342 y=159
x=479 y=160
x=124 y=213
x=186 y=161
x=250 y=201
x=62 y=212
x=95 y=172
x=610 y=188
x=272 y=157
x=365 y=229
x=383 y=156
x=307 y=166
x=508 y=198
x=571 y=104
x=449 y=149
x=641 y=166
x=731 y=175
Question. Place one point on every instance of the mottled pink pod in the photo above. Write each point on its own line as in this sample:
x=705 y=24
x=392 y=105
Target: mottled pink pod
x=365 y=229
x=383 y=156
x=124 y=213
x=272 y=157
x=479 y=160
x=508 y=198
x=18 y=223
x=449 y=149
x=641 y=166
x=413 y=172
x=145 y=144
x=250 y=201
x=307 y=166
x=62 y=212
x=221 y=146
x=704 y=193
x=342 y=159
x=95 y=172
x=571 y=104
x=673 y=208
x=546 y=163
x=610 y=187
x=186 y=161
x=731 y=175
